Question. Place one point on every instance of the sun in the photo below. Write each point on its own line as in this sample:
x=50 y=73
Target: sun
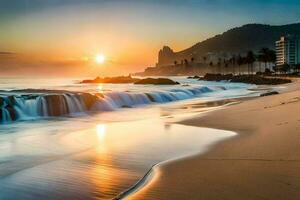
x=100 y=58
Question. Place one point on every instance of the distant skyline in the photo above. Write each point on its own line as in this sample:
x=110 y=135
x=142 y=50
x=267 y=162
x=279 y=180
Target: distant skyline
x=62 y=37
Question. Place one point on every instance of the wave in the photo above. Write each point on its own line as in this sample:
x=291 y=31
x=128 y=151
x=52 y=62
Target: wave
x=33 y=104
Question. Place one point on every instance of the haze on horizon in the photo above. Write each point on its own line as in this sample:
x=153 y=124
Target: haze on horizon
x=62 y=37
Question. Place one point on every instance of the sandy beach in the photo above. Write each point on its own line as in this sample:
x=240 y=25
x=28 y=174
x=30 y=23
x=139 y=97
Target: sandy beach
x=262 y=162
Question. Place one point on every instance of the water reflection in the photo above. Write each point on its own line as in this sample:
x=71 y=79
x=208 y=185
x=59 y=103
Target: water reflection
x=101 y=131
x=100 y=88
x=98 y=161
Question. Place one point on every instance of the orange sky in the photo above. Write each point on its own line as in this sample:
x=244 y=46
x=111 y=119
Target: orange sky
x=62 y=38
x=67 y=39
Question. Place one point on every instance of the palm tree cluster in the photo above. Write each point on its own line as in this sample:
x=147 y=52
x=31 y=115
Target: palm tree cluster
x=234 y=63
x=236 y=60
x=266 y=56
x=285 y=68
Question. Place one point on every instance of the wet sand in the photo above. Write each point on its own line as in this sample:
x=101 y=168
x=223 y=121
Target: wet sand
x=263 y=162
x=85 y=158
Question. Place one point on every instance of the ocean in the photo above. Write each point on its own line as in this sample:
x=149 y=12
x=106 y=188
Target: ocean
x=63 y=140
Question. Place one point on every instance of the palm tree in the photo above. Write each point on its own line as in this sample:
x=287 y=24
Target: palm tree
x=186 y=62
x=219 y=65
x=297 y=67
x=250 y=60
x=260 y=60
x=284 y=68
x=271 y=56
x=211 y=67
x=239 y=61
x=264 y=56
x=225 y=67
x=233 y=62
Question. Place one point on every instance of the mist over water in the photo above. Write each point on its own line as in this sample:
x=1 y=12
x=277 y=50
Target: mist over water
x=84 y=141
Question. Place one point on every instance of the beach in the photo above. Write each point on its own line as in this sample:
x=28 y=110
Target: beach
x=262 y=162
x=149 y=100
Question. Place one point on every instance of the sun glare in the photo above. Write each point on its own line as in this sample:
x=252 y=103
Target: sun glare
x=100 y=58
x=101 y=130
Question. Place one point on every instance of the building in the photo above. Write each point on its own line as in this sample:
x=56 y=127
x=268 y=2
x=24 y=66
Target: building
x=288 y=50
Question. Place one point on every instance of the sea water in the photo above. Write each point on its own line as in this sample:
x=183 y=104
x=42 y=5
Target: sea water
x=100 y=151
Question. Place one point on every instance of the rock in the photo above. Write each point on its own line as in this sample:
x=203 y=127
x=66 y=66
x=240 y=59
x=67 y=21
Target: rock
x=56 y=105
x=216 y=77
x=100 y=95
x=269 y=93
x=1 y=101
x=193 y=77
x=150 y=97
x=165 y=56
x=12 y=112
x=117 y=79
x=250 y=79
x=38 y=91
x=126 y=106
x=259 y=80
x=11 y=100
x=29 y=96
x=7 y=104
x=157 y=81
x=89 y=100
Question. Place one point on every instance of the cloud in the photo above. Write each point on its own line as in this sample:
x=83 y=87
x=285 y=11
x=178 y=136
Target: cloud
x=6 y=53
x=19 y=65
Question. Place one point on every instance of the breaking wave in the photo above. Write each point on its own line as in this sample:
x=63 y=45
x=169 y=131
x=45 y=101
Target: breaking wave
x=34 y=104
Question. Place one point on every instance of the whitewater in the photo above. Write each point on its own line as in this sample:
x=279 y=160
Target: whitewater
x=27 y=99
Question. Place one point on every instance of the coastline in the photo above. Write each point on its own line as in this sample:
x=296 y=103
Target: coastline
x=154 y=171
x=252 y=165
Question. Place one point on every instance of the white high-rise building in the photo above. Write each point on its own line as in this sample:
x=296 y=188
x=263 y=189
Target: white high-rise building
x=288 y=50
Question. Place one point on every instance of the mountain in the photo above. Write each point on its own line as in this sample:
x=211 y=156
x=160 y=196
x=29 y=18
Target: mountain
x=237 y=40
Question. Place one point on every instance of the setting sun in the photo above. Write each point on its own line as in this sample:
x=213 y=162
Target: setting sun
x=100 y=58
x=111 y=91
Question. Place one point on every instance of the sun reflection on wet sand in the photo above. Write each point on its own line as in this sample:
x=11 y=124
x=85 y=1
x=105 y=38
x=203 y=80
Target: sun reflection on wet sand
x=120 y=160
x=98 y=160
x=106 y=174
x=101 y=131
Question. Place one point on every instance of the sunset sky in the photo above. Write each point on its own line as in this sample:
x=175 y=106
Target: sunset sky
x=63 y=37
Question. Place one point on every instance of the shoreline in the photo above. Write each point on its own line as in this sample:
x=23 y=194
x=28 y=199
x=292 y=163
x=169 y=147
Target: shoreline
x=160 y=187
x=153 y=172
x=139 y=184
